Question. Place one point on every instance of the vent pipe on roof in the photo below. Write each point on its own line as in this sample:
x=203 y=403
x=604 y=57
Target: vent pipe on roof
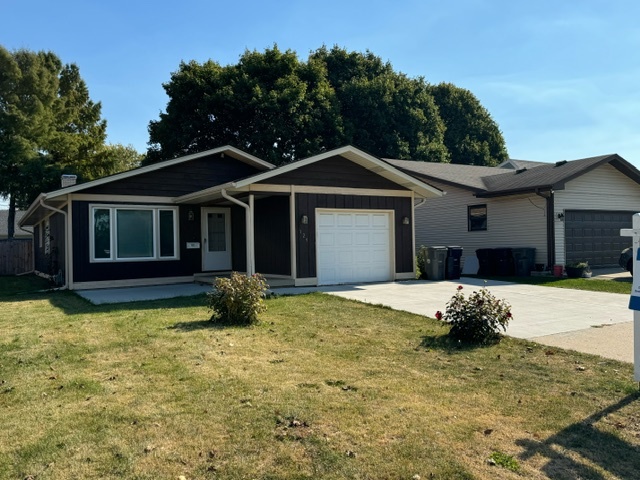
x=560 y=163
x=68 y=180
x=521 y=170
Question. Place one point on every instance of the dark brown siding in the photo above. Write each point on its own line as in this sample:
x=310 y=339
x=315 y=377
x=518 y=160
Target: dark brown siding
x=85 y=271
x=306 y=234
x=52 y=263
x=179 y=179
x=272 y=237
x=334 y=172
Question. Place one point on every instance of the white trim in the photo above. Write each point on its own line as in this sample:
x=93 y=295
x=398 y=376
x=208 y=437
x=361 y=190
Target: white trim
x=231 y=151
x=363 y=159
x=306 y=282
x=413 y=235
x=132 y=282
x=267 y=187
x=251 y=266
x=113 y=233
x=292 y=232
x=204 y=232
x=359 y=157
x=69 y=243
x=85 y=197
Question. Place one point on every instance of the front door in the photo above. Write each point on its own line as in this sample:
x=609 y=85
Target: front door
x=216 y=239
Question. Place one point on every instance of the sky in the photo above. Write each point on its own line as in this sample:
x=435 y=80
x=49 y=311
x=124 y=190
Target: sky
x=561 y=79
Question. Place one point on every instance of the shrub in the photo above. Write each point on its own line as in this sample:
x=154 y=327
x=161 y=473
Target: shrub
x=239 y=299
x=477 y=319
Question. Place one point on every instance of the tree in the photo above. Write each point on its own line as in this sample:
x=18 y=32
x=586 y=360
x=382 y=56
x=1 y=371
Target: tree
x=281 y=109
x=48 y=124
x=471 y=136
x=383 y=111
x=269 y=104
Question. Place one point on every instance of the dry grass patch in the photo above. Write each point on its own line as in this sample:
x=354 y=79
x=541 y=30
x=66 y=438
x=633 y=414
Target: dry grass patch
x=321 y=388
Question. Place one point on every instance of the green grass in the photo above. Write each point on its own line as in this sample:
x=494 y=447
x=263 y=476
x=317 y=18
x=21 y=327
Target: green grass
x=619 y=285
x=321 y=388
x=19 y=285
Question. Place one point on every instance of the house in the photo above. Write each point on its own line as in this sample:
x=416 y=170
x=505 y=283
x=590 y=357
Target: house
x=568 y=211
x=18 y=233
x=338 y=217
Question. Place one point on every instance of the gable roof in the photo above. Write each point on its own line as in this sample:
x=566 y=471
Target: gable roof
x=374 y=164
x=532 y=176
x=57 y=198
x=383 y=168
x=465 y=176
x=227 y=149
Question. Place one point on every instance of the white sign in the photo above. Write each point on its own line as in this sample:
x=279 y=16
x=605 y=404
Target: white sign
x=634 y=301
x=192 y=245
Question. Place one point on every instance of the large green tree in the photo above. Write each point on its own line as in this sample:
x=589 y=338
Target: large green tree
x=269 y=104
x=280 y=108
x=48 y=125
x=471 y=135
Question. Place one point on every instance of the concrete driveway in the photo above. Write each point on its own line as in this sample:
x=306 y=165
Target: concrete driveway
x=589 y=322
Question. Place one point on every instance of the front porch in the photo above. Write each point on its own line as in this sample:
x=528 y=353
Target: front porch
x=274 y=281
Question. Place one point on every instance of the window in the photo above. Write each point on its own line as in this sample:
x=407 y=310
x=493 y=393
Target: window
x=127 y=233
x=477 y=217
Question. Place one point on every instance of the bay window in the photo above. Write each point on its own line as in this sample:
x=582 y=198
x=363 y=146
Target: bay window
x=128 y=233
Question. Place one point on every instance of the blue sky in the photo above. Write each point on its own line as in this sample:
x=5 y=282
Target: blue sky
x=561 y=79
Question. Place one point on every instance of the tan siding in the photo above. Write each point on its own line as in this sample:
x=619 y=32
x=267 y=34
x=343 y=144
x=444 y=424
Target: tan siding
x=517 y=221
x=604 y=188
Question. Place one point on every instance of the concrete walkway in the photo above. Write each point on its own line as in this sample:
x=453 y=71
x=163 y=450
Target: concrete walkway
x=589 y=322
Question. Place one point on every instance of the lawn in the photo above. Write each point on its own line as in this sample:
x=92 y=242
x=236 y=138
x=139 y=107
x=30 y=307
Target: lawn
x=618 y=285
x=322 y=388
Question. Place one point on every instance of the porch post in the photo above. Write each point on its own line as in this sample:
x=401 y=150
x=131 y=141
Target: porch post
x=251 y=251
x=292 y=229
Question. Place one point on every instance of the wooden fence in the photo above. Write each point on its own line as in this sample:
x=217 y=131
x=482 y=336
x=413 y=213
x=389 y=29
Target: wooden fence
x=16 y=256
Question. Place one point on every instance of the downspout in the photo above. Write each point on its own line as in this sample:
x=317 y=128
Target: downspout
x=551 y=229
x=66 y=242
x=249 y=227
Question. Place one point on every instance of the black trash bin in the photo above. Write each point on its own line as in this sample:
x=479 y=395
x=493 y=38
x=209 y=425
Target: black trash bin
x=435 y=258
x=485 y=267
x=454 y=254
x=524 y=260
x=502 y=261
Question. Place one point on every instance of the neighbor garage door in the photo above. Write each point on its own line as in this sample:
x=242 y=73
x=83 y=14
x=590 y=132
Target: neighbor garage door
x=594 y=235
x=353 y=246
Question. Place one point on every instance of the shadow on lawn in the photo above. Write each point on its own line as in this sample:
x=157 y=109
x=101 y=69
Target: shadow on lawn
x=73 y=304
x=447 y=344
x=607 y=451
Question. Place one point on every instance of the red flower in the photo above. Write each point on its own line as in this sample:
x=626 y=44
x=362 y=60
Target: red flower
x=459 y=287
x=439 y=315
x=508 y=314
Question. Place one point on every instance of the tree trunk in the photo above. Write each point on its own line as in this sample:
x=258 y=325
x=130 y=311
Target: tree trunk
x=11 y=220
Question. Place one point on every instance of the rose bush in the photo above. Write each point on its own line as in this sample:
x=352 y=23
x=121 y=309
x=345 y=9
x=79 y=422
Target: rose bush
x=478 y=318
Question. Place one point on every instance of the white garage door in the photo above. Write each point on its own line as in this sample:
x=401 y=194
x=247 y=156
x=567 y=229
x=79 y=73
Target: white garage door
x=353 y=246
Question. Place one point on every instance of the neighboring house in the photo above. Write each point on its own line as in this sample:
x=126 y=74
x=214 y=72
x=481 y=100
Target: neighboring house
x=339 y=217
x=4 y=222
x=568 y=211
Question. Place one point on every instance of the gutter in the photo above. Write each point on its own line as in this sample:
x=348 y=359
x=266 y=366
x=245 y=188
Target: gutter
x=66 y=242
x=547 y=194
x=251 y=269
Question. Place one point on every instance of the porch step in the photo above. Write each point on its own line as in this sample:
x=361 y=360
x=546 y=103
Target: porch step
x=273 y=282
